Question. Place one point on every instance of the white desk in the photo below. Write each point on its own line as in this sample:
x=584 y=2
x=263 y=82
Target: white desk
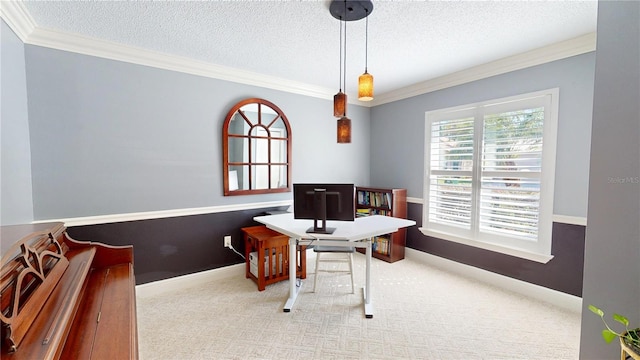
x=356 y=233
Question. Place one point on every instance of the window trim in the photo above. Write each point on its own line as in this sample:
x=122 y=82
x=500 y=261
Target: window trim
x=541 y=251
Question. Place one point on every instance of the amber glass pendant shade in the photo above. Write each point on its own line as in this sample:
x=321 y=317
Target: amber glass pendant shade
x=344 y=130
x=339 y=104
x=365 y=87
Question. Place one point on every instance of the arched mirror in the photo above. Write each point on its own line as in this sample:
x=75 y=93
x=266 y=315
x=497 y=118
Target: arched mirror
x=256 y=138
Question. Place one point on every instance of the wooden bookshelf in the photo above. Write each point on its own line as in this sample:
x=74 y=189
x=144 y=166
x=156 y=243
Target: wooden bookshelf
x=387 y=202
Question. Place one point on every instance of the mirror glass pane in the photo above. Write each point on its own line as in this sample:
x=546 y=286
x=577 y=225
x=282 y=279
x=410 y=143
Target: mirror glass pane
x=238 y=149
x=260 y=150
x=278 y=129
x=279 y=176
x=260 y=177
x=238 y=177
x=259 y=145
x=278 y=151
x=250 y=116
x=237 y=125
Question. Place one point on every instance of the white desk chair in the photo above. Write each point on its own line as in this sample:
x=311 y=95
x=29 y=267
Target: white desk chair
x=320 y=250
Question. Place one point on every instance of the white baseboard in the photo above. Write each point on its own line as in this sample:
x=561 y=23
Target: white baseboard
x=192 y=280
x=557 y=298
x=187 y=281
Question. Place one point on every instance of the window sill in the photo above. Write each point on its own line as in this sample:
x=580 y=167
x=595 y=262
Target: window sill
x=541 y=258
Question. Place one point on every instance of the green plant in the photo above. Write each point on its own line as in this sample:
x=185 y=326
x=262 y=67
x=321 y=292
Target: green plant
x=630 y=336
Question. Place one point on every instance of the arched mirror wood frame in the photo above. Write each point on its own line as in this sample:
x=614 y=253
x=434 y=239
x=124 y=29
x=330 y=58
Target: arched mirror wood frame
x=256 y=138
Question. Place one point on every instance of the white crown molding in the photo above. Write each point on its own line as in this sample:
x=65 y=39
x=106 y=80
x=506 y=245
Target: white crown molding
x=109 y=50
x=576 y=46
x=18 y=18
x=113 y=218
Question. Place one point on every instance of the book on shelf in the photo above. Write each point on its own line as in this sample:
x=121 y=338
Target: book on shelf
x=384 y=202
x=381 y=245
x=363 y=212
x=363 y=197
x=375 y=199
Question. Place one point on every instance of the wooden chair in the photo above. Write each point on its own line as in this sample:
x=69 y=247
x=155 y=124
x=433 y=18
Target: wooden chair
x=325 y=250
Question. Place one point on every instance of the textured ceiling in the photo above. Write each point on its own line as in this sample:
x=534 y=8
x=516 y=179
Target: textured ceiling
x=409 y=41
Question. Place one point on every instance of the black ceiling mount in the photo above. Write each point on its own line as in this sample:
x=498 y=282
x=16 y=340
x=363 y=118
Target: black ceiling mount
x=352 y=10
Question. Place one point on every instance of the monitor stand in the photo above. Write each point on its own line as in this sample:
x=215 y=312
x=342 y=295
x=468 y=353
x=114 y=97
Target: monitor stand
x=322 y=229
x=320 y=218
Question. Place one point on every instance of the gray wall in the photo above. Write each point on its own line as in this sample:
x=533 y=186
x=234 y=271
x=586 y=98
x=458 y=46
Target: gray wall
x=562 y=273
x=170 y=247
x=612 y=247
x=398 y=127
x=110 y=137
x=15 y=156
x=400 y=163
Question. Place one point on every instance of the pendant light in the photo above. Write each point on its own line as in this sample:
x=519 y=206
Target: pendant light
x=340 y=99
x=365 y=81
x=344 y=130
x=356 y=10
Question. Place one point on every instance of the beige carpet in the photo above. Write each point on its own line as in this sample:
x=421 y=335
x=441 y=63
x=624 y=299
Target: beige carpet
x=420 y=313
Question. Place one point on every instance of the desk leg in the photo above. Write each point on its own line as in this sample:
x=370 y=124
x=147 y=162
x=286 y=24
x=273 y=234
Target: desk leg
x=293 y=290
x=368 y=303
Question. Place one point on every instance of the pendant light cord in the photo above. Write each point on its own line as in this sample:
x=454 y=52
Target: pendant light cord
x=340 y=60
x=366 y=40
x=345 y=52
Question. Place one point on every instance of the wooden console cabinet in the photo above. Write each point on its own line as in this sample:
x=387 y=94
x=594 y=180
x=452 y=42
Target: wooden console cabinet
x=270 y=247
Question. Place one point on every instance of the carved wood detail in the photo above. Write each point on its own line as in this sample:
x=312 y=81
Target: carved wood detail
x=37 y=268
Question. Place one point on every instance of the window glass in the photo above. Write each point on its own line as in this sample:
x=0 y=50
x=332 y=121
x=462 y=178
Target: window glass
x=490 y=172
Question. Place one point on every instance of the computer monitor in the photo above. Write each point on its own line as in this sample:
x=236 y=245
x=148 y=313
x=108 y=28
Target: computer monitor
x=322 y=202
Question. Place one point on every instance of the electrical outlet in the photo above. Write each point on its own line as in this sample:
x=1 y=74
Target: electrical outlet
x=227 y=241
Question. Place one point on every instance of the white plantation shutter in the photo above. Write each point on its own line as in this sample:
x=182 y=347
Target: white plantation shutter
x=451 y=164
x=510 y=178
x=490 y=170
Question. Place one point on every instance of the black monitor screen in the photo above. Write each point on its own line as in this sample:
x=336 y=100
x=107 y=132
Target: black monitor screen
x=321 y=202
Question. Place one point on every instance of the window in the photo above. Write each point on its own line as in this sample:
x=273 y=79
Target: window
x=490 y=174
